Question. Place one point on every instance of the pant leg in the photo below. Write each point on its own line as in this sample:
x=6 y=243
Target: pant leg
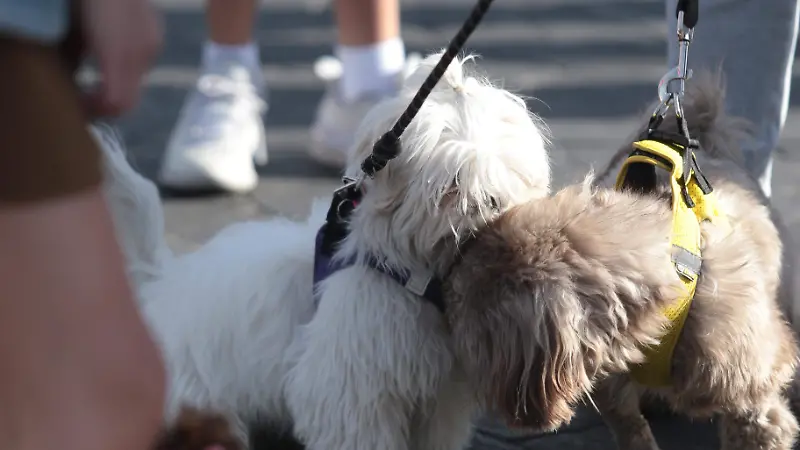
x=753 y=41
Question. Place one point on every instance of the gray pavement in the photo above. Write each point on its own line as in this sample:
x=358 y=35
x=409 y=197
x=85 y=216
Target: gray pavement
x=590 y=67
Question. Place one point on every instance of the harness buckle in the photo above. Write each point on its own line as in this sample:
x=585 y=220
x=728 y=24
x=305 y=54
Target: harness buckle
x=418 y=283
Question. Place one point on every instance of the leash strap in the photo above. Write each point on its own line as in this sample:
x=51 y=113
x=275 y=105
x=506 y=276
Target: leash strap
x=388 y=146
x=346 y=198
x=690 y=11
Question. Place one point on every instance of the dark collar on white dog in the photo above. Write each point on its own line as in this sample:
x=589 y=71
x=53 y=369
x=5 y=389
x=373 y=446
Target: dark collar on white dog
x=345 y=199
x=424 y=286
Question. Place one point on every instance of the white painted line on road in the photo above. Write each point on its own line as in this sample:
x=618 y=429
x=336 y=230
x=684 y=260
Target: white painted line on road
x=514 y=76
x=518 y=33
x=610 y=72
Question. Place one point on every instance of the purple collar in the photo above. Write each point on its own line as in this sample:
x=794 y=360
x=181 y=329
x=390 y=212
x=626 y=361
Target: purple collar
x=428 y=288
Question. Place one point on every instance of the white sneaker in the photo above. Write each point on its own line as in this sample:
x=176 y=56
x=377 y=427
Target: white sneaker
x=336 y=121
x=219 y=132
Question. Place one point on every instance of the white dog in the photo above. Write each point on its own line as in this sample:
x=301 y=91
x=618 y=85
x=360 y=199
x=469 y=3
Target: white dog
x=370 y=367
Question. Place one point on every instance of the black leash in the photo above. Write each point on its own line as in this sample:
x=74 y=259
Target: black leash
x=388 y=146
x=346 y=198
x=690 y=10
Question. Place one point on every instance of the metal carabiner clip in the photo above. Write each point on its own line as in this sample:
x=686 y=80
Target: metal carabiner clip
x=671 y=86
x=685 y=35
x=665 y=97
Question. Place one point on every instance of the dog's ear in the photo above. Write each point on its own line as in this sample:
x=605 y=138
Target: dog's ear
x=520 y=346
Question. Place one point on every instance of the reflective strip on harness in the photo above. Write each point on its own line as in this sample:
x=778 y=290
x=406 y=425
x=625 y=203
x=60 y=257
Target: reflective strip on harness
x=685 y=239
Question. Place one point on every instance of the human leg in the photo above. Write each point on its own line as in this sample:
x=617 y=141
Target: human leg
x=754 y=46
x=64 y=384
x=230 y=27
x=371 y=59
x=220 y=129
x=369 y=46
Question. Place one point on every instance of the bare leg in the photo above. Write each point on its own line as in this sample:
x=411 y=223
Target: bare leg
x=231 y=22
x=772 y=426
x=64 y=384
x=369 y=47
x=365 y=22
x=372 y=58
x=618 y=402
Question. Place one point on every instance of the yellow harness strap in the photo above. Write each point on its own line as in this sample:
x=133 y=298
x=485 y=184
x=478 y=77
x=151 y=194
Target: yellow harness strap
x=686 y=255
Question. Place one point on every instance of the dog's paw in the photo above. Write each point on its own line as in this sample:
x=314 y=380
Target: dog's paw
x=199 y=430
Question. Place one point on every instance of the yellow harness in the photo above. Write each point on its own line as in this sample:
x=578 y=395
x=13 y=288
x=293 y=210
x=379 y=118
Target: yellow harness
x=692 y=203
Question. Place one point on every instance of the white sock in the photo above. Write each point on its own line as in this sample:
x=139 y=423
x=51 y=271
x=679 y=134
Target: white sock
x=246 y=54
x=371 y=69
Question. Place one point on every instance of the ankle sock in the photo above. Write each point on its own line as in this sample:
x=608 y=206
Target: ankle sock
x=371 y=69
x=246 y=54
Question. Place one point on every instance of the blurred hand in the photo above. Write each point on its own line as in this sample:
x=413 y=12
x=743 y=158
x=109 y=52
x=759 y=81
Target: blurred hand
x=123 y=36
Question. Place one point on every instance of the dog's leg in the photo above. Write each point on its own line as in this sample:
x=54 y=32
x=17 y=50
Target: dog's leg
x=618 y=400
x=772 y=426
x=446 y=424
x=373 y=353
x=336 y=406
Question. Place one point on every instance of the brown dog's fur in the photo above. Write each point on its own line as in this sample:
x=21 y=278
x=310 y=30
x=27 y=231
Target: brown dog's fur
x=551 y=304
x=198 y=430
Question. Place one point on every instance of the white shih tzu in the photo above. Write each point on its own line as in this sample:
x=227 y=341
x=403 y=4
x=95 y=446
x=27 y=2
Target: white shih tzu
x=358 y=361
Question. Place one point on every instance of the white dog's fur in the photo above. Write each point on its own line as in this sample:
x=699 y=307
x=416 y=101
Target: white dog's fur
x=224 y=314
x=371 y=368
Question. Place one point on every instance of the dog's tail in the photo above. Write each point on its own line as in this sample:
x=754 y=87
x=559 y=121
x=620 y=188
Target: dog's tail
x=135 y=208
x=720 y=135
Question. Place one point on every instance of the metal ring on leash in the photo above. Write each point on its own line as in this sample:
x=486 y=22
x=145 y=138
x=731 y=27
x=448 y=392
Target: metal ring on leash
x=672 y=85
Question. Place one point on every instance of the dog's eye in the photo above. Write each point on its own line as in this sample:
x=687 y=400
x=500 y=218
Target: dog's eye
x=494 y=203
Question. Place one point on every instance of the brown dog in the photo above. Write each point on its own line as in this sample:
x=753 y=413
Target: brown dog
x=553 y=303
